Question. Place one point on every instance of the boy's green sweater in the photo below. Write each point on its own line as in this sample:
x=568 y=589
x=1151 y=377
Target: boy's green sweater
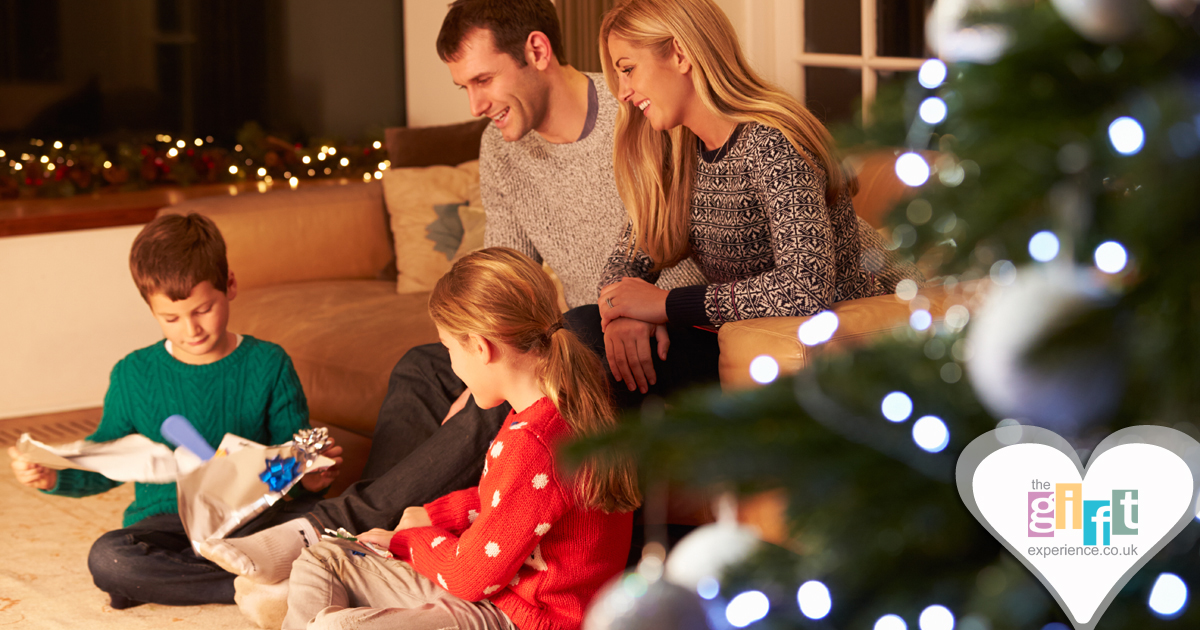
x=254 y=392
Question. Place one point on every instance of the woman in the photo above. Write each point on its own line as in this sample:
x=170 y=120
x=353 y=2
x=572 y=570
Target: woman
x=714 y=163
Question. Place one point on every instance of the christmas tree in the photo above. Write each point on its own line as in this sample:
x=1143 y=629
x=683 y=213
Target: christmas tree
x=1067 y=172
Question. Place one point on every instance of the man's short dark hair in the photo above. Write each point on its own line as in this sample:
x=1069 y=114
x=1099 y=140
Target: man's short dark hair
x=510 y=22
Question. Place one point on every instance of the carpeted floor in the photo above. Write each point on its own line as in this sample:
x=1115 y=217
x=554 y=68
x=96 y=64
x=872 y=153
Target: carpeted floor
x=44 y=581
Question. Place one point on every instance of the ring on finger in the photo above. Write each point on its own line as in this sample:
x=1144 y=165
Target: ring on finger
x=608 y=301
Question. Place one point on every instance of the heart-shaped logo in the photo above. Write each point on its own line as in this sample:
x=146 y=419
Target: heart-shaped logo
x=1082 y=532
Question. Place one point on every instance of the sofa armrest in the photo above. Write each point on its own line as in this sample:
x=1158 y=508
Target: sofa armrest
x=859 y=321
x=335 y=232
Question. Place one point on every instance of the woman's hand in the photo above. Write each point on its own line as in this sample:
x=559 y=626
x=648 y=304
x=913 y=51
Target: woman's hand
x=633 y=298
x=319 y=480
x=31 y=474
x=628 y=346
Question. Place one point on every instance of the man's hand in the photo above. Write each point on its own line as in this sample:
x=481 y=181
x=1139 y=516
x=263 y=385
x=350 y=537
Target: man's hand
x=414 y=516
x=633 y=298
x=458 y=405
x=31 y=474
x=627 y=343
x=319 y=480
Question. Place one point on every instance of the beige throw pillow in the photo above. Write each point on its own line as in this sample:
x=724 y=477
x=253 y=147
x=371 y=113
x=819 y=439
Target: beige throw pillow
x=412 y=197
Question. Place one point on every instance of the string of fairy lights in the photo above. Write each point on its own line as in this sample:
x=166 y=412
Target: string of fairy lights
x=58 y=168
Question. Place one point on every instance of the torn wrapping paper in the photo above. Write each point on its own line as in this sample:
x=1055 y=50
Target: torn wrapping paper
x=242 y=480
x=131 y=458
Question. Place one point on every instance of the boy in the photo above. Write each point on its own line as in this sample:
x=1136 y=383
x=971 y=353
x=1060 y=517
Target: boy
x=222 y=382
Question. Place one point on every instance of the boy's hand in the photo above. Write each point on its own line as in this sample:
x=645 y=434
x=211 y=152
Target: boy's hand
x=414 y=516
x=318 y=481
x=30 y=474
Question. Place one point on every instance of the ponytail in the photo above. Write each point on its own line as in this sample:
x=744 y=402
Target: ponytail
x=503 y=296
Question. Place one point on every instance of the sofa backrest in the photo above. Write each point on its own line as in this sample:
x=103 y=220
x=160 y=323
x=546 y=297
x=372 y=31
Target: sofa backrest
x=879 y=189
x=321 y=233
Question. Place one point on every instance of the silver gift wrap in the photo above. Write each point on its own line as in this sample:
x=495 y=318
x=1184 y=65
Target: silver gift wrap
x=228 y=490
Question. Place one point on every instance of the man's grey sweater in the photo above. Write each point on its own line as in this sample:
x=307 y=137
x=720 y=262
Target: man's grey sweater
x=558 y=203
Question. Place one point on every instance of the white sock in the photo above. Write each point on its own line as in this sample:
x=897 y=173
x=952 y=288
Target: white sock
x=263 y=604
x=266 y=556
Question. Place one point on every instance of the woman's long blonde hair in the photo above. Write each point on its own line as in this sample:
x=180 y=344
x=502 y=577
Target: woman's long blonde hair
x=656 y=170
x=506 y=298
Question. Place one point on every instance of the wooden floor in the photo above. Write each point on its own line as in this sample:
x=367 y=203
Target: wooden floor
x=51 y=428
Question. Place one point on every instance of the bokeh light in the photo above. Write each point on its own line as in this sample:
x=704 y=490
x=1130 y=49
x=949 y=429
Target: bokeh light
x=1043 y=247
x=912 y=169
x=932 y=110
x=932 y=74
x=764 y=369
x=931 y=434
x=1110 y=257
x=814 y=599
x=906 y=289
x=890 y=622
x=708 y=587
x=747 y=608
x=818 y=329
x=957 y=317
x=1169 y=595
x=936 y=618
x=920 y=319
x=896 y=407
x=1003 y=272
x=1126 y=135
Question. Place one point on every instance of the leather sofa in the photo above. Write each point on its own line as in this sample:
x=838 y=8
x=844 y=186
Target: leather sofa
x=313 y=271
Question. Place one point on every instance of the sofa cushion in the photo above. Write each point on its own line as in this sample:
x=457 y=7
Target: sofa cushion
x=859 y=321
x=429 y=146
x=344 y=338
x=413 y=197
x=300 y=235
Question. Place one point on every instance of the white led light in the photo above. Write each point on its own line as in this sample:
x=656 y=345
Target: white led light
x=920 y=319
x=896 y=407
x=764 y=369
x=932 y=74
x=936 y=618
x=1110 y=257
x=1043 y=247
x=818 y=329
x=344 y=162
x=377 y=144
x=747 y=608
x=262 y=172
x=1169 y=595
x=306 y=159
x=57 y=144
x=233 y=170
x=906 y=289
x=199 y=142
x=181 y=144
x=890 y=622
x=1126 y=135
x=931 y=434
x=912 y=169
x=173 y=152
x=932 y=110
x=814 y=599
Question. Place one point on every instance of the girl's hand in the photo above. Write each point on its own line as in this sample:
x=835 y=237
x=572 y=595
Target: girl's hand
x=458 y=405
x=414 y=516
x=319 y=480
x=380 y=537
x=30 y=474
x=633 y=298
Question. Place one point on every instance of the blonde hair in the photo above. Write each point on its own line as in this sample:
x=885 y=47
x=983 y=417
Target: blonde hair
x=506 y=298
x=656 y=170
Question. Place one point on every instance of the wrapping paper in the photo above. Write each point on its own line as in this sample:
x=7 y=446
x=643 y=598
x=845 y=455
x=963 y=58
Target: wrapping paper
x=131 y=458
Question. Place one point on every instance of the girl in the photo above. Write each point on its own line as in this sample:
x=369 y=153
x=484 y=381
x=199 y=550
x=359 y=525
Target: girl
x=714 y=163
x=529 y=546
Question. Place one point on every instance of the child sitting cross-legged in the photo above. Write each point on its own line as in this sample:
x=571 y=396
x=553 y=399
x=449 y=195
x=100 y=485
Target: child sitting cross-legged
x=530 y=546
x=222 y=382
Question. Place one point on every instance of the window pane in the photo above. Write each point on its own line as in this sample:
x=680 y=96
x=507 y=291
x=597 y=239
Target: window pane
x=833 y=94
x=833 y=27
x=902 y=27
x=169 y=16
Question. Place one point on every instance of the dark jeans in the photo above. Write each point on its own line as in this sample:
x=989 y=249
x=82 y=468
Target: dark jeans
x=153 y=561
x=414 y=459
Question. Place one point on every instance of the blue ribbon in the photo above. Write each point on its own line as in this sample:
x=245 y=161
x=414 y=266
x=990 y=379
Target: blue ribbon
x=280 y=473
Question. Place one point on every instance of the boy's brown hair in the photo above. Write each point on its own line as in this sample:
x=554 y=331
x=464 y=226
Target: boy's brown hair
x=174 y=253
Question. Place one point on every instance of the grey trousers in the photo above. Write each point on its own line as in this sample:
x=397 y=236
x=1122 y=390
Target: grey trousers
x=338 y=585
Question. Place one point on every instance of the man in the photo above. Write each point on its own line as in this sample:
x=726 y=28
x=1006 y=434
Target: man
x=548 y=189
